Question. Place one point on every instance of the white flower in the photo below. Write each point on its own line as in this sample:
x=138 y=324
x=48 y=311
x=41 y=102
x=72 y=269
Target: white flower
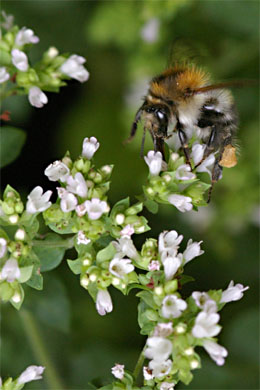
x=204 y=302
x=20 y=60
x=167 y=386
x=158 y=348
x=103 y=303
x=150 y=31
x=169 y=242
x=197 y=153
x=154 y=162
x=206 y=325
x=10 y=271
x=81 y=209
x=95 y=208
x=68 y=202
x=73 y=68
x=120 y=267
x=32 y=373
x=181 y=202
x=215 y=351
x=171 y=264
x=4 y=75
x=163 y=329
x=184 y=173
x=89 y=147
x=38 y=201
x=154 y=265
x=125 y=247
x=77 y=185
x=192 y=250
x=36 y=97
x=24 y=36
x=127 y=231
x=233 y=293
x=82 y=239
x=118 y=371
x=3 y=247
x=147 y=373
x=160 y=368
x=8 y=21
x=207 y=165
x=57 y=171
x=172 y=306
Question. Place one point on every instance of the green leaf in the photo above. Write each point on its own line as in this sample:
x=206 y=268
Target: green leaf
x=6 y=291
x=26 y=273
x=17 y=305
x=151 y=206
x=106 y=253
x=119 y=207
x=186 y=279
x=12 y=141
x=136 y=285
x=52 y=255
x=36 y=281
x=75 y=266
x=147 y=297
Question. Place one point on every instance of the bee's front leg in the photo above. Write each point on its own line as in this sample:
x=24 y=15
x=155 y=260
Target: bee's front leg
x=184 y=143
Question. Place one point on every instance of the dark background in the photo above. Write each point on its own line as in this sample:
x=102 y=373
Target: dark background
x=82 y=345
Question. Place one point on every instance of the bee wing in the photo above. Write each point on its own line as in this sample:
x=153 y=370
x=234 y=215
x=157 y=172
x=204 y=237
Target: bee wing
x=227 y=84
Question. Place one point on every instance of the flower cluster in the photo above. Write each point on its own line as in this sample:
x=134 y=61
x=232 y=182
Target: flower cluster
x=175 y=182
x=18 y=261
x=175 y=326
x=32 y=373
x=49 y=74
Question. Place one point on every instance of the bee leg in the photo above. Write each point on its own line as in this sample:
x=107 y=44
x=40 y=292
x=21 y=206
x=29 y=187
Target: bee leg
x=216 y=175
x=142 y=145
x=184 y=145
x=209 y=146
x=134 y=126
x=159 y=145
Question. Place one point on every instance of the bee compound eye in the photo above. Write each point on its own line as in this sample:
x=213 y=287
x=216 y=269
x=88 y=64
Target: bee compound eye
x=160 y=115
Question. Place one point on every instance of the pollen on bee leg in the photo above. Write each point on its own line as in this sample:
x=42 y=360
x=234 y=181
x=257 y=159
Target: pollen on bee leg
x=228 y=159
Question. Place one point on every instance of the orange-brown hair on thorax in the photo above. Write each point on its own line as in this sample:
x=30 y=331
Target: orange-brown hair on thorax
x=191 y=78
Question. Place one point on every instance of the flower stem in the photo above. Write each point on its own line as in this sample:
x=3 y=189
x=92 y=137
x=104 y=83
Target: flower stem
x=66 y=243
x=139 y=364
x=39 y=350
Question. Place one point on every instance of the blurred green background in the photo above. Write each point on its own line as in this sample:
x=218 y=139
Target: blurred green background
x=111 y=34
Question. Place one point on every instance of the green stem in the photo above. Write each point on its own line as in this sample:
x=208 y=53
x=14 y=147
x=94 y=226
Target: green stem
x=39 y=350
x=68 y=243
x=139 y=364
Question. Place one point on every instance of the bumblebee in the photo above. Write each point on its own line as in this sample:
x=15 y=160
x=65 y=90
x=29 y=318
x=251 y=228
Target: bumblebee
x=182 y=99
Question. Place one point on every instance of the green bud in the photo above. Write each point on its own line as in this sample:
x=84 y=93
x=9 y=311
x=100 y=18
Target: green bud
x=49 y=55
x=54 y=214
x=97 y=178
x=9 y=37
x=8 y=208
x=19 y=207
x=106 y=171
x=197 y=190
x=82 y=165
x=171 y=286
x=135 y=209
x=5 y=57
x=6 y=291
x=149 y=248
x=27 y=79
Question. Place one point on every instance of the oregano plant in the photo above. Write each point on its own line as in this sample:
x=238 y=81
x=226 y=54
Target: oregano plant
x=102 y=234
